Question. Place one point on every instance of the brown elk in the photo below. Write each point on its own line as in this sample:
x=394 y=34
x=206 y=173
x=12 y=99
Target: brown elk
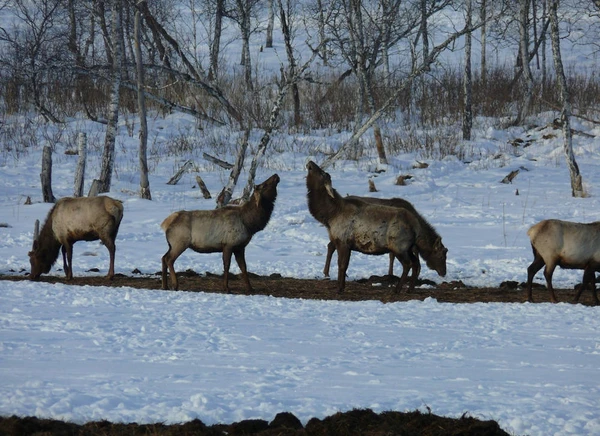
x=568 y=245
x=354 y=225
x=74 y=219
x=227 y=230
x=429 y=242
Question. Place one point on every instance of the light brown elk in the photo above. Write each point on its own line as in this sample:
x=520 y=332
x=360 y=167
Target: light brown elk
x=227 y=230
x=568 y=245
x=354 y=225
x=74 y=219
x=429 y=242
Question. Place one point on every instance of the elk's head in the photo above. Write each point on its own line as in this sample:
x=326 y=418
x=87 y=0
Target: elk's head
x=267 y=190
x=437 y=259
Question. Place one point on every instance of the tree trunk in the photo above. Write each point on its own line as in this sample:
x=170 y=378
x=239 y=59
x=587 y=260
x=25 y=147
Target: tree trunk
x=80 y=171
x=225 y=196
x=143 y=155
x=322 y=34
x=483 y=18
x=270 y=23
x=215 y=45
x=243 y=9
x=525 y=59
x=287 y=37
x=576 y=181
x=46 y=175
x=468 y=80
x=108 y=155
x=424 y=30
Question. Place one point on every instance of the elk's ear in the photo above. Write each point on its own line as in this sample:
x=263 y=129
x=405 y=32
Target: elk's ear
x=257 y=198
x=329 y=190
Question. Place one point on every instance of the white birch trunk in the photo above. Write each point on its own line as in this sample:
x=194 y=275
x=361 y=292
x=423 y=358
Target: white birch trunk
x=576 y=181
x=468 y=80
x=108 y=155
x=143 y=158
x=80 y=171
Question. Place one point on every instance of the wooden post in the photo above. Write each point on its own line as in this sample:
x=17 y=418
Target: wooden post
x=95 y=188
x=80 y=171
x=179 y=174
x=203 y=188
x=46 y=175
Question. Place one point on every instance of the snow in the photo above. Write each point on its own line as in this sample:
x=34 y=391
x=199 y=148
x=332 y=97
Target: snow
x=122 y=354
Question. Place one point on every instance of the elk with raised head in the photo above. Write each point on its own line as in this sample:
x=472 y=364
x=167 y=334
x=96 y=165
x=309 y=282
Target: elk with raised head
x=227 y=230
x=429 y=242
x=355 y=225
x=568 y=245
x=74 y=219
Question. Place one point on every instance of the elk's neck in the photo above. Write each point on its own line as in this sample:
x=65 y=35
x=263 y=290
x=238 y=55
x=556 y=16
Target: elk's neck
x=48 y=244
x=256 y=217
x=322 y=206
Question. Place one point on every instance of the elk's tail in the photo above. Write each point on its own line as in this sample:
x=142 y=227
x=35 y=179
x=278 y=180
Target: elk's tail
x=169 y=220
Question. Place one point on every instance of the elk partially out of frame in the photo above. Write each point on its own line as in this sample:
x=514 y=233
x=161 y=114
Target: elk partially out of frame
x=74 y=219
x=429 y=242
x=354 y=225
x=568 y=245
x=227 y=230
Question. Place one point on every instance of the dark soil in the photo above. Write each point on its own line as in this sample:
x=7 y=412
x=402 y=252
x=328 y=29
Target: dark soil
x=354 y=422
x=373 y=288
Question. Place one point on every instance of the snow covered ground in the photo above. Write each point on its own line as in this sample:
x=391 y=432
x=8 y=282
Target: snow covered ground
x=81 y=353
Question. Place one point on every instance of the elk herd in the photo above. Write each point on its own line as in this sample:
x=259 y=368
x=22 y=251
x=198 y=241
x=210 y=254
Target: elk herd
x=367 y=225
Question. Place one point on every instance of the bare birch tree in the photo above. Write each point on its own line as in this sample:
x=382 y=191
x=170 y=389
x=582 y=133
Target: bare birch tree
x=565 y=114
x=215 y=42
x=418 y=69
x=483 y=19
x=143 y=158
x=467 y=124
x=524 y=56
x=270 y=23
x=110 y=138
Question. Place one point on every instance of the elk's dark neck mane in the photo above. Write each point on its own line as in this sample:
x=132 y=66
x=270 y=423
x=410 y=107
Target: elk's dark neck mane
x=322 y=206
x=254 y=217
x=427 y=237
x=48 y=246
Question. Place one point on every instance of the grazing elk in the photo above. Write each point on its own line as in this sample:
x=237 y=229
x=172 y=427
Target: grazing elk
x=227 y=230
x=568 y=245
x=429 y=242
x=74 y=219
x=354 y=225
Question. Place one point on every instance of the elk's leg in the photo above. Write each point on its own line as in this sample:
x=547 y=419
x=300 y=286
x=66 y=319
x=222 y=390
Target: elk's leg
x=240 y=258
x=589 y=277
x=532 y=270
x=110 y=246
x=391 y=266
x=63 y=250
x=548 y=272
x=68 y=264
x=593 y=284
x=330 y=251
x=168 y=261
x=227 y=251
x=406 y=266
x=416 y=268
x=343 y=262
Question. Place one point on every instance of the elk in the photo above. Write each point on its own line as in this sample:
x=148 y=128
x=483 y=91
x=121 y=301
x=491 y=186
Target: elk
x=429 y=243
x=568 y=245
x=355 y=225
x=74 y=219
x=227 y=230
